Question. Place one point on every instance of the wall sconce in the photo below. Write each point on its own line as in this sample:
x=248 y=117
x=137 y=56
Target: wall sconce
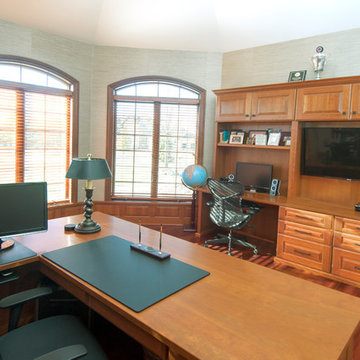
x=88 y=169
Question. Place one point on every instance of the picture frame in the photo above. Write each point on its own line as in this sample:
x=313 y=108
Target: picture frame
x=260 y=136
x=237 y=138
x=250 y=141
x=298 y=75
x=284 y=134
x=287 y=140
x=274 y=139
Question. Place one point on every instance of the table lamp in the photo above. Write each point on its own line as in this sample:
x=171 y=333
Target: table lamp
x=88 y=169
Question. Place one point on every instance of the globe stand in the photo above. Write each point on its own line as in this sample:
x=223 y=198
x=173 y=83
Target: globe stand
x=193 y=218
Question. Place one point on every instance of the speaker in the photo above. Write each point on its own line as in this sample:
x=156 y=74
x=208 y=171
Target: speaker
x=275 y=186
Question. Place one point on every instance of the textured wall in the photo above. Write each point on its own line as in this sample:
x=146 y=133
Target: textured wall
x=96 y=67
x=271 y=64
x=112 y=64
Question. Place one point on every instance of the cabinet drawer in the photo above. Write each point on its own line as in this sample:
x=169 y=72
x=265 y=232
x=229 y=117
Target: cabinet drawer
x=348 y=226
x=305 y=232
x=347 y=241
x=304 y=252
x=346 y=264
x=306 y=217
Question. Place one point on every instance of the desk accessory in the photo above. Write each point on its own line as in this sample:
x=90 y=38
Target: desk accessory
x=135 y=280
x=88 y=169
x=148 y=250
x=357 y=207
x=15 y=253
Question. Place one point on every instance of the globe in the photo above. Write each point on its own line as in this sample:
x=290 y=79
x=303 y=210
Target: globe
x=194 y=176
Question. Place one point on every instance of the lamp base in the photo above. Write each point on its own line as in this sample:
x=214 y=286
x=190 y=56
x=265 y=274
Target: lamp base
x=87 y=226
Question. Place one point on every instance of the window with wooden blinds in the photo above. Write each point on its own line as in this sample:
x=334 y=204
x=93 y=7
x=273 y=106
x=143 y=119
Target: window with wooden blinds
x=156 y=131
x=36 y=127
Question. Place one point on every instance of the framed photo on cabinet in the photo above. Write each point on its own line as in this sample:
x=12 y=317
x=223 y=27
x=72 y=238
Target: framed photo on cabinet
x=259 y=135
x=237 y=137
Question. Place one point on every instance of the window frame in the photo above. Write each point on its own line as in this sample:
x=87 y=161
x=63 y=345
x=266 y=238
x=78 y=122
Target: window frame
x=74 y=94
x=110 y=135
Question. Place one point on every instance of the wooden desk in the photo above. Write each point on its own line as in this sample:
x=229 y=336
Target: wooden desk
x=241 y=310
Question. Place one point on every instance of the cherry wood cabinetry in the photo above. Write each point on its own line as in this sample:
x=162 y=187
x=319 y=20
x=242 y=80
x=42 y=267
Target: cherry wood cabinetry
x=346 y=256
x=258 y=105
x=307 y=234
x=331 y=103
x=304 y=238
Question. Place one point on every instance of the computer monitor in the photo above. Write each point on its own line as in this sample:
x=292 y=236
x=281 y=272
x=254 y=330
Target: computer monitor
x=23 y=208
x=254 y=177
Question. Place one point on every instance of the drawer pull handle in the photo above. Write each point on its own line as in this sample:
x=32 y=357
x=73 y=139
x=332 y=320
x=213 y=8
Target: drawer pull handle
x=357 y=228
x=304 y=217
x=303 y=253
x=356 y=267
x=356 y=244
x=303 y=232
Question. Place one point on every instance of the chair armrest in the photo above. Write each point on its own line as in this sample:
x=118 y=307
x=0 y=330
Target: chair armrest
x=24 y=296
x=71 y=352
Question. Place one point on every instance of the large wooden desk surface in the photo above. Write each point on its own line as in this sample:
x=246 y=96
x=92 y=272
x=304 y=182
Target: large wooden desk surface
x=241 y=311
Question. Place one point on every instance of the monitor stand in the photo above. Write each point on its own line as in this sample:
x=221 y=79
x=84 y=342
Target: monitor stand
x=6 y=244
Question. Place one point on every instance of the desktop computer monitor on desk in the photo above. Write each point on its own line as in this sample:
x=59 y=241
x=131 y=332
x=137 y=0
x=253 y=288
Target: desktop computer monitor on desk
x=254 y=177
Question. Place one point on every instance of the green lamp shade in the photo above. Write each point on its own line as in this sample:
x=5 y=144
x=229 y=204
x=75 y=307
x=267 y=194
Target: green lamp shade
x=88 y=169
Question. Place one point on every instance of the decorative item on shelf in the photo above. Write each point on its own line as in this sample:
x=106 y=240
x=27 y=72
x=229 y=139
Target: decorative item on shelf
x=193 y=177
x=88 y=169
x=237 y=137
x=319 y=60
x=274 y=137
x=250 y=140
x=224 y=136
x=260 y=136
x=285 y=136
x=299 y=75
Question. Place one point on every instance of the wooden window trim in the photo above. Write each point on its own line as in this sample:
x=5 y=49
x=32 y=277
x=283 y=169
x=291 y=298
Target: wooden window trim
x=44 y=89
x=110 y=136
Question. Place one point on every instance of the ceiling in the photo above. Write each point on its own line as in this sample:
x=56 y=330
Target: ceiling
x=200 y=25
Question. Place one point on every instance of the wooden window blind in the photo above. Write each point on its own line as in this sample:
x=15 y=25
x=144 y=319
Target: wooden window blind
x=156 y=130
x=36 y=133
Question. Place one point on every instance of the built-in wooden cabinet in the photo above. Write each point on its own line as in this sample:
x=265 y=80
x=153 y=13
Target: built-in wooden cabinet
x=304 y=238
x=255 y=106
x=346 y=255
x=330 y=103
x=318 y=227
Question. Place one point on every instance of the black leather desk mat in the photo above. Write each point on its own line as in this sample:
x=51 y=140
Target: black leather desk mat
x=132 y=278
x=15 y=253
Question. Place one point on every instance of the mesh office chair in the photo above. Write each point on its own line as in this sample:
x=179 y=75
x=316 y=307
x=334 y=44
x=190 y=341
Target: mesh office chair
x=227 y=211
x=61 y=337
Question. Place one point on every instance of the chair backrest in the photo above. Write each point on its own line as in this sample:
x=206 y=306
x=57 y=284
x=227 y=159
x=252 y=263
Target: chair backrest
x=226 y=210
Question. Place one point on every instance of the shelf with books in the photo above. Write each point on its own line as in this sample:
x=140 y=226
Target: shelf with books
x=271 y=147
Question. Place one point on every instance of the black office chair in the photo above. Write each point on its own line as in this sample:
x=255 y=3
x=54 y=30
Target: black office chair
x=61 y=337
x=227 y=210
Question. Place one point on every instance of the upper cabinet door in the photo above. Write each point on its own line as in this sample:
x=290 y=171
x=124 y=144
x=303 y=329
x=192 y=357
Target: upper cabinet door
x=355 y=102
x=234 y=107
x=273 y=105
x=323 y=103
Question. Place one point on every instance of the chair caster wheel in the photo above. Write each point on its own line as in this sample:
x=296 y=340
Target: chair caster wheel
x=206 y=245
x=255 y=252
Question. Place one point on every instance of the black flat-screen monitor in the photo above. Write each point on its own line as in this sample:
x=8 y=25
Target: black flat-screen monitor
x=254 y=177
x=23 y=208
x=331 y=152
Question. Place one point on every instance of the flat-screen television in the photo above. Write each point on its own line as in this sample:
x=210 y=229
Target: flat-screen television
x=331 y=152
x=23 y=208
x=254 y=177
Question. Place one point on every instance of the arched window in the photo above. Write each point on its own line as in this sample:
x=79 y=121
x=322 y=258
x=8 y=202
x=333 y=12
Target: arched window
x=155 y=129
x=38 y=124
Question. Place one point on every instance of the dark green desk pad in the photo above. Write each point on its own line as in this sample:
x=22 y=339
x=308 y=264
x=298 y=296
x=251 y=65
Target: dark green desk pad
x=130 y=277
x=15 y=253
